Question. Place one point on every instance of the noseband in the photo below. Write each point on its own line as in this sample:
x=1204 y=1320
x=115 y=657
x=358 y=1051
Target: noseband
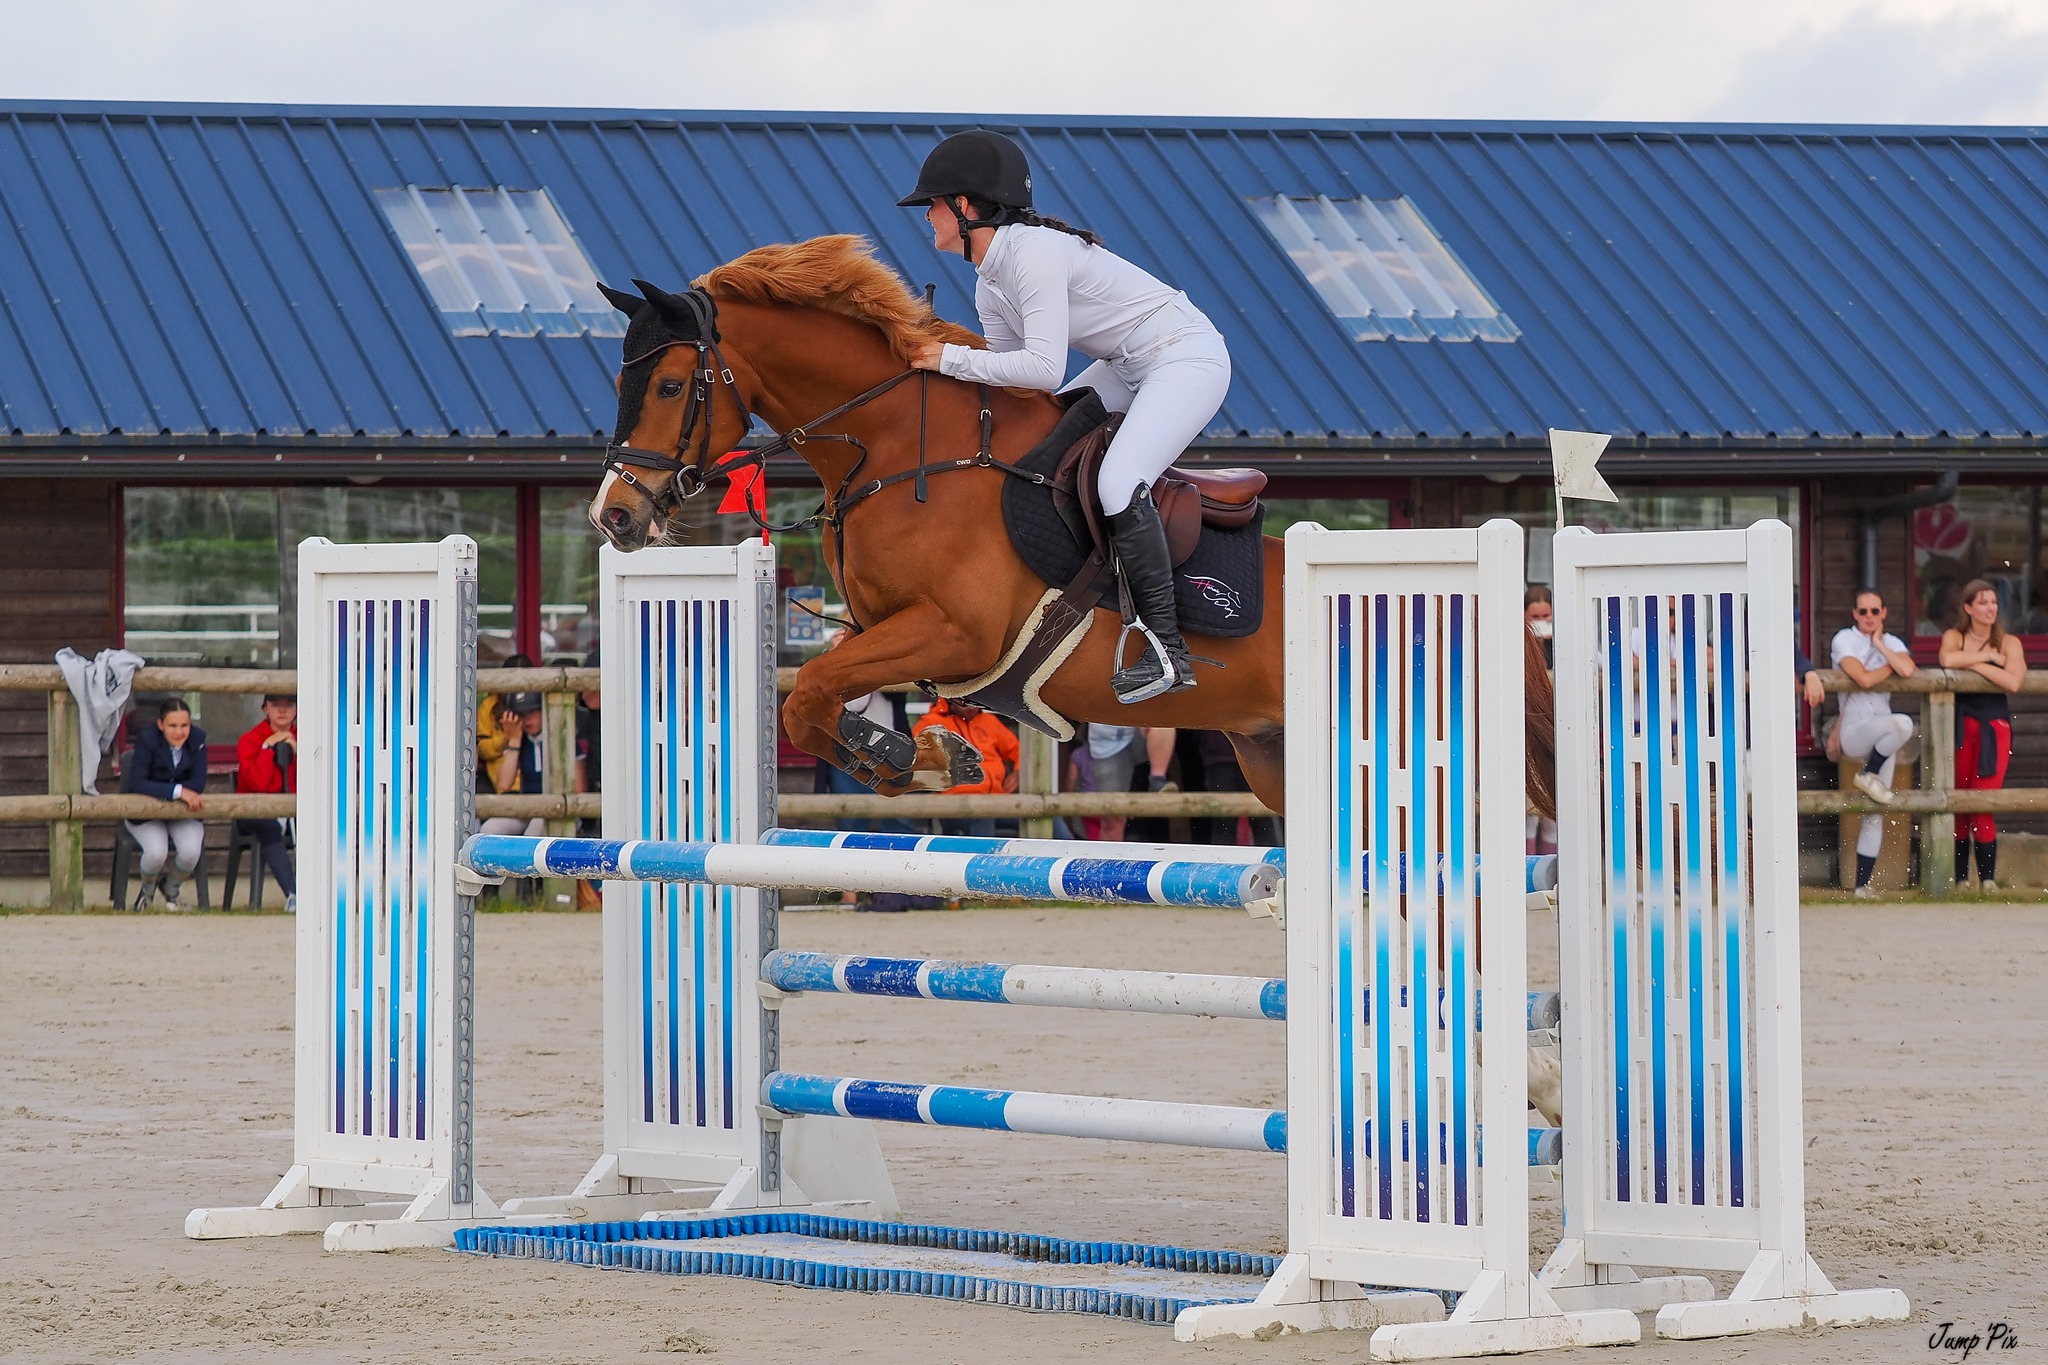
x=706 y=375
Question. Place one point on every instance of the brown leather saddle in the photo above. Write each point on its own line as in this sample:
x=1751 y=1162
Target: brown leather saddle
x=1226 y=500
x=1187 y=499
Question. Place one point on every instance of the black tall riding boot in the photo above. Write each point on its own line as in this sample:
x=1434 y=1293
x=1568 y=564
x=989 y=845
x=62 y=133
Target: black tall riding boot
x=1147 y=569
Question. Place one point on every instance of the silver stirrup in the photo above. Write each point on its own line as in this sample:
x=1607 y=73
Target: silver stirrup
x=1168 y=674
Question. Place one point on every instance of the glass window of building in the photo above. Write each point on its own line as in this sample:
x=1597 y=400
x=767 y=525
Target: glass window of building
x=1988 y=531
x=212 y=574
x=1533 y=503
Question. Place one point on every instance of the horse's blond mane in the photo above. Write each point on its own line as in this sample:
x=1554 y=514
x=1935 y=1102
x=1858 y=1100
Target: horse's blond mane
x=839 y=274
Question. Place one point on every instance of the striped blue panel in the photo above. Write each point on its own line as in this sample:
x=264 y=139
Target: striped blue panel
x=382 y=868
x=363 y=906
x=1620 y=810
x=1694 y=890
x=394 y=867
x=346 y=755
x=1734 y=888
x=986 y=982
x=1421 y=702
x=883 y=976
x=1461 y=910
x=649 y=719
x=1657 y=885
x=728 y=897
x=698 y=898
x=425 y=800
x=1384 y=910
x=1344 y=892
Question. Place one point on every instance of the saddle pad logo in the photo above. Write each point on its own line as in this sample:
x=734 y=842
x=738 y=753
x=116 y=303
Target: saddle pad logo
x=1218 y=594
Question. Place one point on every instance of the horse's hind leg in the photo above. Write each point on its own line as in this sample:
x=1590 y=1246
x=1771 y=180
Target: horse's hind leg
x=920 y=642
x=1263 y=758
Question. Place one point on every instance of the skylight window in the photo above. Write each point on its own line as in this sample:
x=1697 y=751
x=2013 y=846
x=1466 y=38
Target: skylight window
x=500 y=262
x=1382 y=269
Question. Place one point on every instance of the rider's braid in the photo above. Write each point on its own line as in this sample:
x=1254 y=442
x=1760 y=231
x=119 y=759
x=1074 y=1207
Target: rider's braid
x=991 y=213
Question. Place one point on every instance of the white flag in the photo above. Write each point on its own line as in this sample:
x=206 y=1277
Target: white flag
x=1575 y=461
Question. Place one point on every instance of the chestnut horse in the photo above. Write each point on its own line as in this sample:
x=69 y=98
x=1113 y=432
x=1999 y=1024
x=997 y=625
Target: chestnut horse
x=816 y=338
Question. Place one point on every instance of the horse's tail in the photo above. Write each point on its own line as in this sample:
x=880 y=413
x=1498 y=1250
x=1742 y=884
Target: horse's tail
x=1539 y=704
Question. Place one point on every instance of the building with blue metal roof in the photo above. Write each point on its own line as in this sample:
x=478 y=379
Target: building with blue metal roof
x=226 y=327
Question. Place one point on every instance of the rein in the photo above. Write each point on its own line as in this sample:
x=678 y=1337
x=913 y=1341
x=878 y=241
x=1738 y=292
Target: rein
x=691 y=477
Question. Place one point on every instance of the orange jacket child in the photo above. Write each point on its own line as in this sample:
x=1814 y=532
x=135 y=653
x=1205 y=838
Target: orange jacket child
x=998 y=744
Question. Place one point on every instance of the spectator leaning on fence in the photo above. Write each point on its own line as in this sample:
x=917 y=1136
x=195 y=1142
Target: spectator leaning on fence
x=266 y=760
x=169 y=763
x=1978 y=642
x=999 y=755
x=1868 y=728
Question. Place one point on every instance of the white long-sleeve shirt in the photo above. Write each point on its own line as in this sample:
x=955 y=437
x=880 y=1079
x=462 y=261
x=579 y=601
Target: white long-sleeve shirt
x=1041 y=292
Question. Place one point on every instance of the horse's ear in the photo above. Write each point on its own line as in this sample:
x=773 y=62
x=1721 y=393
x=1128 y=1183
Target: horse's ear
x=620 y=299
x=682 y=317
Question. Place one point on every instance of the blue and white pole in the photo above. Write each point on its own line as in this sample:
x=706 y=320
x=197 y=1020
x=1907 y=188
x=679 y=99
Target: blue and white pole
x=1082 y=988
x=1029 y=1111
x=1074 y=988
x=1109 y=881
x=1539 y=870
x=1084 y=1116
x=966 y=843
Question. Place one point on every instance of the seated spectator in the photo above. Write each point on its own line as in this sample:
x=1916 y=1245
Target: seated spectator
x=266 y=762
x=999 y=756
x=517 y=769
x=169 y=763
x=490 y=738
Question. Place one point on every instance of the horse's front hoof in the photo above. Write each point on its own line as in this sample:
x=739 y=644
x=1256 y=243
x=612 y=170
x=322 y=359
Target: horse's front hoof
x=963 y=762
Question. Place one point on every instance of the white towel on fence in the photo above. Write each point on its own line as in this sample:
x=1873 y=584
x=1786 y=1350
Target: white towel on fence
x=101 y=686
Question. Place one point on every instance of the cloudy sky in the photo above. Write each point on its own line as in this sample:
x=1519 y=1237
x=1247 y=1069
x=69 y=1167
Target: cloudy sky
x=1890 y=61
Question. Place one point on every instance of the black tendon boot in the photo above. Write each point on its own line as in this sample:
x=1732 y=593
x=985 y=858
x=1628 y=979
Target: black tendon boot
x=1962 y=862
x=1147 y=567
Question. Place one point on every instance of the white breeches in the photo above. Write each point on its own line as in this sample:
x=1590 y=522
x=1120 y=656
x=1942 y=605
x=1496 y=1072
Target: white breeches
x=1168 y=390
x=1885 y=732
x=512 y=824
x=157 y=836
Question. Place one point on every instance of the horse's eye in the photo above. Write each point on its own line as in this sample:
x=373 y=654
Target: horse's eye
x=671 y=388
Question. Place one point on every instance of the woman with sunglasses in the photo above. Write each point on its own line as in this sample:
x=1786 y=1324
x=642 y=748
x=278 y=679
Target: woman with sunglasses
x=1868 y=728
x=1977 y=643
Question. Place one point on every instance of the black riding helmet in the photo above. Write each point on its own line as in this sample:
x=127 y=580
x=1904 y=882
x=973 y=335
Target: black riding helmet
x=983 y=166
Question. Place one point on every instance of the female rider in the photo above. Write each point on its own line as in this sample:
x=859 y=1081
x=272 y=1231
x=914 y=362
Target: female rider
x=1043 y=287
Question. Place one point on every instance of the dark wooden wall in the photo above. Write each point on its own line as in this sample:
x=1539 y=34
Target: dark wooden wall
x=59 y=577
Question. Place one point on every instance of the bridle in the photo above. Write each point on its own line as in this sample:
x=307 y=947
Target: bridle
x=691 y=475
x=706 y=375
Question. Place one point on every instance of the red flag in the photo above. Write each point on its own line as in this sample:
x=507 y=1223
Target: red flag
x=747 y=488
